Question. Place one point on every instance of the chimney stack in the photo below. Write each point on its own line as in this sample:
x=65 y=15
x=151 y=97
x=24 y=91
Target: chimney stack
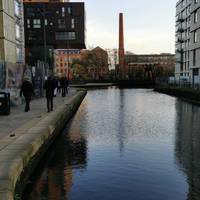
x=121 y=46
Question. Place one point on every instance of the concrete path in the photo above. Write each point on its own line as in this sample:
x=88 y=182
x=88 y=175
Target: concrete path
x=18 y=118
x=24 y=137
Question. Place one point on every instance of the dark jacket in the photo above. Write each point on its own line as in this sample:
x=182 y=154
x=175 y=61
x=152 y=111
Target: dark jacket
x=64 y=82
x=27 y=89
x=49 y=86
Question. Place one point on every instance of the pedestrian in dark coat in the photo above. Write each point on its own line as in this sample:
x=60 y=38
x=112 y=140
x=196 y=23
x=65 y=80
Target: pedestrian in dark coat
x=49 y=86
x=66 y=85
x=27 y=91
x=62 y=85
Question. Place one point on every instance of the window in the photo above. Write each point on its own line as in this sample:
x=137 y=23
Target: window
x=18 y=53
x=72 y=23
x=17 y=8
x=46 y=22
x=61 y=23
x=194 y=57
x=69 y=10
x=195 y=36
x=32 y=35
x=28 y=23
x=72 y=35
x=30 y=12
x=17 y=27
x=65 y=35
x=63 y=11
x=36 y=23
x=195 y=16
x=183 y=3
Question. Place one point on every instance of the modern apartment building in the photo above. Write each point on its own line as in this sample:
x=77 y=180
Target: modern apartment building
x=188 y=40
x=11 y=31
x=50 y=26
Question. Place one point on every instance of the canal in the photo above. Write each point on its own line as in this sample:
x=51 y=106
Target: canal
x=129 y=144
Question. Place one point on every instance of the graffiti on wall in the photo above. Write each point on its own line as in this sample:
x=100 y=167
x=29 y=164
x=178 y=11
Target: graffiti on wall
x=2 y=75
x=14 y=75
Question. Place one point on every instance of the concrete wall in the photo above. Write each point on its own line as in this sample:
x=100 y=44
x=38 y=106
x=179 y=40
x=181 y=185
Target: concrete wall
x=8 y=41
x=7 y=31
x=22 y=155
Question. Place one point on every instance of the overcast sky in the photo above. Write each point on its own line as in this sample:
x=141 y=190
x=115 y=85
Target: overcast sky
x=149 y=25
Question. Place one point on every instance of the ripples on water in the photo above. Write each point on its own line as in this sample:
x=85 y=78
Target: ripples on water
x=124 y=144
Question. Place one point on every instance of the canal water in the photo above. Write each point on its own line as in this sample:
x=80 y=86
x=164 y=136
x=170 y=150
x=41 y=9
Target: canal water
x=129 y=144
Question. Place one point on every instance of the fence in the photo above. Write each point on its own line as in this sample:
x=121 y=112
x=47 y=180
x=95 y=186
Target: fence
x=183 y=82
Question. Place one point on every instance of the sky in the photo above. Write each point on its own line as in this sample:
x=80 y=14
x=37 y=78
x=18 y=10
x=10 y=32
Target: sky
x=149 y=26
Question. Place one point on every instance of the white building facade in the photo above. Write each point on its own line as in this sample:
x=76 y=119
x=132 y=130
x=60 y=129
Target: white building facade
x=188 y=41
x=11 y=31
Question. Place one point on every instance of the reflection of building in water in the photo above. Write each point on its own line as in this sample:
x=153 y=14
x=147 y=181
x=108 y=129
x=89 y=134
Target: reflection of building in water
x=56 y=181
x=188 y=146
x=121 y=136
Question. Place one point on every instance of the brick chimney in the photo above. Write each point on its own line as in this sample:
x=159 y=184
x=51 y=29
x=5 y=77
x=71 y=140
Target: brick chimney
x=121 y=47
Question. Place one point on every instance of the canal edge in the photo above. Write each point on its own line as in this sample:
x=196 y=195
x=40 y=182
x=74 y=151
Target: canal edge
x=21 y=157
x=185 y=94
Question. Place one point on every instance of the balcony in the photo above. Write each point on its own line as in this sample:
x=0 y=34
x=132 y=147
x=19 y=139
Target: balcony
x=179 y=50
x=180 y=40
x=179 y=19
x=180 y=30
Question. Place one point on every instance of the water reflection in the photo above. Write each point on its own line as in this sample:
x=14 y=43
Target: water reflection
x=187 y=146
x=57 y=179
x=120 y=145
x=121 y=131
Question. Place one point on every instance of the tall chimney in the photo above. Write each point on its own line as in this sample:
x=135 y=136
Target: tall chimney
x=121 y=46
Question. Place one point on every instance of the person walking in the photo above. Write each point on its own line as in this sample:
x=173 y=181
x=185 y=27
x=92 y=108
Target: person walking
x=66 y=85
x=27 y=91
x=63 y=88
x=49 y=86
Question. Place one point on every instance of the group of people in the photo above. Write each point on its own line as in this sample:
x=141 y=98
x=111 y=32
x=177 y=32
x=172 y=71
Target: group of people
x=52 y=86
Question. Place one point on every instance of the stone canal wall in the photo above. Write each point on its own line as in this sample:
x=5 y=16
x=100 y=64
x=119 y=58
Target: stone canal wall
x=19 y=158
x=187 y=94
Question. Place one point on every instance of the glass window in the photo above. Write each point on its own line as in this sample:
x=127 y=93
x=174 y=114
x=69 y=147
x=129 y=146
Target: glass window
x=65 y=35
x=18 y=53
x=61 y=23
x=46 y=22
x=28 y=23
x=17 y=27
x=63 y=11
x=36 y=23
x=194 y=57
x=69 y=10
x=195 y=16
x=17 y=8
x=195 y=36
x=72 y=23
